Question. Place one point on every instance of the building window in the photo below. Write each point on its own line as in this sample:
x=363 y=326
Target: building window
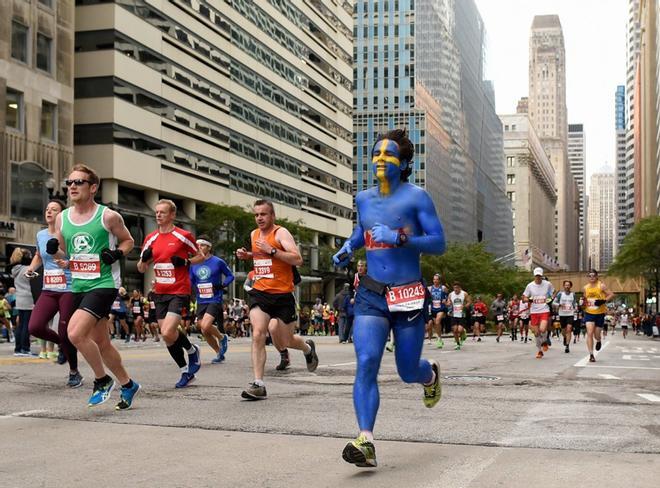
x=14 y=109
x=48 y=121
x=510 y=179
x=19 y=41
x=510 y=161
x=47 y=3
x=511 y=195
x=29 y=195
x=44 y=52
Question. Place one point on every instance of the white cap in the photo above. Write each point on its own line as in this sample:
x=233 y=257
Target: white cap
x=538 y=271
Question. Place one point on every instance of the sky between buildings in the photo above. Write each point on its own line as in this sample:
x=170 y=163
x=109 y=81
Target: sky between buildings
x=595 y=42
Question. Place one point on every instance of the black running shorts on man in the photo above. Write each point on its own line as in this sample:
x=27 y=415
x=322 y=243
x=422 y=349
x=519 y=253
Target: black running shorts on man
x=214 y=310
x=174 y=304
x=565 y=320
x=97 y=302
x=277 y=305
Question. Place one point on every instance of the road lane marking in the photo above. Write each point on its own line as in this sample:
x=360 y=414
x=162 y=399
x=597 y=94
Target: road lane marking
x=620 y=367
x=585 y=360
x=650 y=397
x=22 y=414
x=609 y=377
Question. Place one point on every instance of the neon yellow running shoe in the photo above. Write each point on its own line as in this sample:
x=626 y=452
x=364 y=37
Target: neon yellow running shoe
x=360 y=452
x=433 y=392
x=440 y=343
x=457 y=347
x=463 y=335
x=390 y=346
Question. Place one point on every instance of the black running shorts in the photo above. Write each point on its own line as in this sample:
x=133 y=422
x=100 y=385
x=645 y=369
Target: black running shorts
x=213 y=309
x=170 y=304
x=278 y=305
x=97 y=302
x=565 y=320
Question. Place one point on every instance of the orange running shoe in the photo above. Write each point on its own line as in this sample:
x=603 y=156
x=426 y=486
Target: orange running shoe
x=539 y=355
x=545 y=347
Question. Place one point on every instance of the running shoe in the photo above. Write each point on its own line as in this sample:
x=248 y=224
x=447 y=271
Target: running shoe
x=43 y=355
x=254 y=392
x=592 y=358
x=539 y=355
x=428 y=341
x=457 y=347
x=567 y=349
x=284 y=361
x=218 y=358
x=463 y=335
x=545 y=347
x=497 y=339
x=478 y=339
x=101 y=392
x=389 y=346
x=194 y=360
x=360 y=452
x=61 y=358
x=185 y=380
x=433 y=392
x=224 y=343
x=126 y=396
x=75 y=380
x=440 y=343
x=52 y=355
x=598 y=344
x=128 y=339
x=312 y=358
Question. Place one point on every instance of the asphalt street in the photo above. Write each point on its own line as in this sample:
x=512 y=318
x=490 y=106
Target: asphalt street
x=505 y=419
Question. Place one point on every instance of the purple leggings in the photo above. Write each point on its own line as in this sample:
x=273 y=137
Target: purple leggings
x=48 y=304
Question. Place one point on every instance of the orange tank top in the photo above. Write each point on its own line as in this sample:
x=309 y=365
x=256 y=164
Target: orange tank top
x=271 y=275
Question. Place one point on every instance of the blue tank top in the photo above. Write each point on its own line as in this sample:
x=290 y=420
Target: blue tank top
x=206 y=274
x=438 y=297
x=55 y=278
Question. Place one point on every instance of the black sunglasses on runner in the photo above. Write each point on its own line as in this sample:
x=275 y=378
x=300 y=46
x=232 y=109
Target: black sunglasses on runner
x=77 y=182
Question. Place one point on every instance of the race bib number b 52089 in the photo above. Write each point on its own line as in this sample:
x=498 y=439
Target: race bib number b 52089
x=85 y=266
x=405 y=298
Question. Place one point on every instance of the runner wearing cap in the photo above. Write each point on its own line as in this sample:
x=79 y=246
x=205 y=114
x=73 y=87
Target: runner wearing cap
x=539 y=293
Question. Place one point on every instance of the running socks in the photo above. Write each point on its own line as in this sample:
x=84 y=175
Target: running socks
x=176 y=350
x=129 y=384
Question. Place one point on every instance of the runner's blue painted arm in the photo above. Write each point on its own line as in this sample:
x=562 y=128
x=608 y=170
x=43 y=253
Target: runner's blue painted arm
x=433 y=240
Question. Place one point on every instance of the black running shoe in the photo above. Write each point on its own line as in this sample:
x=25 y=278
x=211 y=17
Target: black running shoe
x=284 y=361
x=598 y=345
x=311 y=358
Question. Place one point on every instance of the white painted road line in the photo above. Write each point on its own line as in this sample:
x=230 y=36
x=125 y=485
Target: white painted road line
x=585 y=360
x=609 y=377
x=26 y=413
x=621 y=367
x=650 y=397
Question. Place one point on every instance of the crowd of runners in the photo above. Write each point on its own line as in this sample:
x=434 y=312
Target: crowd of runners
x=387 y=306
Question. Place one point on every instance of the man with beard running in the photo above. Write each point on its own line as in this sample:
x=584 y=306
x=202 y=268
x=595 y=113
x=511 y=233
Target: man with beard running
x=438 y=308
x=172 y=250
x=566 y=302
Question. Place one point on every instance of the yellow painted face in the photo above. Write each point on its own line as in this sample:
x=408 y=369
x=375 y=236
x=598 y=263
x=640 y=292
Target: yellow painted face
x=386 y=163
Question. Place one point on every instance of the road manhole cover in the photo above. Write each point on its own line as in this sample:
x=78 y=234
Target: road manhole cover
x=472 y=378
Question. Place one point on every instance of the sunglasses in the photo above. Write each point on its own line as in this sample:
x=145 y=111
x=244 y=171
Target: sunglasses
x=77 y=182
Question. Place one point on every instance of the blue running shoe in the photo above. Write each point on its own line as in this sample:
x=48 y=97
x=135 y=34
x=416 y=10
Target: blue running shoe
x=126 y=396
x=101 y=393
x=219 y=358
x=223 y=345
x=194 y=360
x=186 y=379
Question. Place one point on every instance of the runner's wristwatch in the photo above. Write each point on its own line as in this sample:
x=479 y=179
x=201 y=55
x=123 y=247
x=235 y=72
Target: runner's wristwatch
x=273 y=251
x=402 y=238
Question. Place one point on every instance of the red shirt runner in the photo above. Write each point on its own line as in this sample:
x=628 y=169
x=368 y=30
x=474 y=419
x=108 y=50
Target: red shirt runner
x=178 y=242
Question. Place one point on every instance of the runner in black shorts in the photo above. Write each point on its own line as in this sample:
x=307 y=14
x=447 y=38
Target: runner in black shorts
x=152 y=321
x=274 y=253
x=137 y=310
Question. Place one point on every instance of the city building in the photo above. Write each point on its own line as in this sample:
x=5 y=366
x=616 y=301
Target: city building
x=620 y=166
x=547 y=112
x=220 y=102
x=577 y=162
x=36 y=125
x=601 y=220
x=530 y=187
x=646 y=103
x=632 y=98
x=420 y=65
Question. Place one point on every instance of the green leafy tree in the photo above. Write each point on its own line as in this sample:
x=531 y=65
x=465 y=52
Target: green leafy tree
x=640 y=254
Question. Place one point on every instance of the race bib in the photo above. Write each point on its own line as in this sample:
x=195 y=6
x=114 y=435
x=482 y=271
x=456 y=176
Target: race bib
x=85 y=266
x=566 y=307
x=137 y=309
x=500 y=318
x=116 y=305
x=205 y=290
x=54 y=279
x=591 y=302
x=164 y=273
x=152 y=305
x=539 y=300
x=405 y=298
x=263 y=268
x=437 y=304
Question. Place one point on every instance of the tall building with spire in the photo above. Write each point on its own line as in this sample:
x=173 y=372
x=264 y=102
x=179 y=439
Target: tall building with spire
x=547 y=111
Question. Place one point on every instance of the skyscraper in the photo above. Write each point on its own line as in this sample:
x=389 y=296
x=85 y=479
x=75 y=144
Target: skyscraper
x=632 y=62
x=547 y=111
x=220 y=102
x=601 y=219
x=620 y=166
x=420 y=65
x=577 y=161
